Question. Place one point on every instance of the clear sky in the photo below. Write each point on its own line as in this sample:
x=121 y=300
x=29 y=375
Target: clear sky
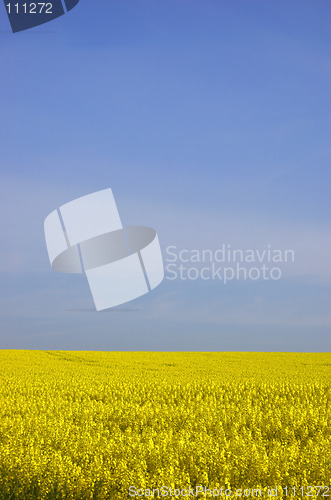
x=209 y=120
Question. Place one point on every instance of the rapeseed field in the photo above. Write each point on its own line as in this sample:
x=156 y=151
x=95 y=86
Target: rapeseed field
x=116 y=425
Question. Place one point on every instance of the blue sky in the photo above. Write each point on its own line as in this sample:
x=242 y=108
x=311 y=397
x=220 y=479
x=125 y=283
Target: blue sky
x=209 y=120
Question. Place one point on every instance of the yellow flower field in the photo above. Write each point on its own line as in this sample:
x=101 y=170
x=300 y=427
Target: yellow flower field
x=90 y=425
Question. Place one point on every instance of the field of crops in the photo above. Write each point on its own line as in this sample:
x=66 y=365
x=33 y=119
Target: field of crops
x=90 y=425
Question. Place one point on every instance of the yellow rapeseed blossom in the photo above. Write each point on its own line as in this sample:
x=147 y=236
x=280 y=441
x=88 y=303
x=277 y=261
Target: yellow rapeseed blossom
x=88 y=425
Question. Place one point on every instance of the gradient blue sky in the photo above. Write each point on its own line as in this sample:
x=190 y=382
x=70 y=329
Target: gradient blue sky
x=209 y=120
